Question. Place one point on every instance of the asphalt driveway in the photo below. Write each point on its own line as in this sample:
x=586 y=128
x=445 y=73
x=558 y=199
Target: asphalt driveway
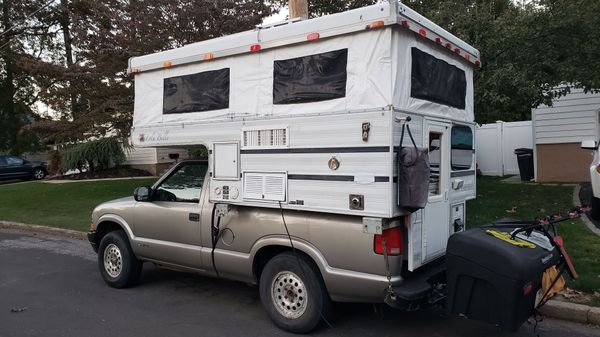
x=50 y=286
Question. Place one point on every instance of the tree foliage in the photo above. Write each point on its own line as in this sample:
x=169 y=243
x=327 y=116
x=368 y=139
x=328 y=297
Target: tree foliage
x=71 y=56
x=93 y=155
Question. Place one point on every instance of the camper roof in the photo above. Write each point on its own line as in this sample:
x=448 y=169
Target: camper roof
x=298 y=31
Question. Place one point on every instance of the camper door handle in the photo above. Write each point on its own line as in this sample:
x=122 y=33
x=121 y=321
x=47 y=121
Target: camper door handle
x=446 y=195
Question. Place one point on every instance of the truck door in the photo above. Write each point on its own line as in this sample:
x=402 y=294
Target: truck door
x=167 y=228
x=436 y=215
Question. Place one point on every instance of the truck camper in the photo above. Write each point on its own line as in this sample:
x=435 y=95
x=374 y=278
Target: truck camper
x=304 y=121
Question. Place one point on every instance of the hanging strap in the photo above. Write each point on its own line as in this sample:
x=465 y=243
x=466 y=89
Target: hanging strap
x=414 y=144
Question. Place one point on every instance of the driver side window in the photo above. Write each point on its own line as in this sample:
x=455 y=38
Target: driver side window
x=14 y=161
x=183 y=185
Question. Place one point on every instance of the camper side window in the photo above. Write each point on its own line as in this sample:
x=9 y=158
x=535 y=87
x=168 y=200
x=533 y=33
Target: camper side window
x=462 y=148
x=310 y=78
x=437 y=81
x=208 y=90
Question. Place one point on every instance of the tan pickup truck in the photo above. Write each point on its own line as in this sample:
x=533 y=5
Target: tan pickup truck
x=324 y=257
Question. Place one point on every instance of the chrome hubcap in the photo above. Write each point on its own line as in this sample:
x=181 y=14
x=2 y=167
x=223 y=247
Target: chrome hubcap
x=38 y=174
x=113 y=262
x=288 y=294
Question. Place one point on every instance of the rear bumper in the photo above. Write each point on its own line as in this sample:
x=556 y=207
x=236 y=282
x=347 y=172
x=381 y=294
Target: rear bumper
x=91 y=235
x=423 y=288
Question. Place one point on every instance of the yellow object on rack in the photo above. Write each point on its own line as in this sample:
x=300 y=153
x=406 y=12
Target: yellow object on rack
x=505 y=236
x=547 y=281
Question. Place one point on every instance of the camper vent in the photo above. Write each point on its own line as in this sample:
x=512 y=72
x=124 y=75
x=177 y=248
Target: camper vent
x=261 y=138
x=267 y=186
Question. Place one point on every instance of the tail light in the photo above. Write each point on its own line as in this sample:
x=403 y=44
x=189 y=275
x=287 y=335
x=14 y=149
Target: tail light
x=393 y=241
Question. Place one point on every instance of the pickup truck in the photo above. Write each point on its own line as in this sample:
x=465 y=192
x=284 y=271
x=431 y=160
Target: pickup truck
x=301 y=261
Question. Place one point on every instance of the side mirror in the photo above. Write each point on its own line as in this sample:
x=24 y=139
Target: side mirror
x=589 y=145
x=143 y=193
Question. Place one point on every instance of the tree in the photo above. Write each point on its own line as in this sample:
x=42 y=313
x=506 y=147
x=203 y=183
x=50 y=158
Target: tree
x=99 y=37
x=19 y=27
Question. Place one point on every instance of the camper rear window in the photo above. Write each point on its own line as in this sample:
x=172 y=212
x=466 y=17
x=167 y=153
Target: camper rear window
x=437 y=81
x=208 y=90
x=310 y=78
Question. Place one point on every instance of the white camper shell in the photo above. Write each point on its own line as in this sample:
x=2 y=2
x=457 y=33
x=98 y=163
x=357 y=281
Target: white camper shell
x=307 y=115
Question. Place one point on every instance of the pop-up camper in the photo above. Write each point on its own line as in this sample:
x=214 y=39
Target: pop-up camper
x=341 y=155
x=309 y=114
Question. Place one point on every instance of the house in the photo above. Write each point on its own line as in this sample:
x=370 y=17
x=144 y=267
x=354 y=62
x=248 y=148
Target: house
x=558 y=131
x=154 y=160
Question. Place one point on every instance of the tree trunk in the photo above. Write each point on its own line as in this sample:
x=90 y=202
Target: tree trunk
x=8 y=95
x=65 y=23
x=298 y=9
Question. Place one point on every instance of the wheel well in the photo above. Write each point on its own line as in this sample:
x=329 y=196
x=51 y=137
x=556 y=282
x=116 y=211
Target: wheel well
x=267 y=253
x=104 y=228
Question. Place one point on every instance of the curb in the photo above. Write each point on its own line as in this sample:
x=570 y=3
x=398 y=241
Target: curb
x=44 y=229
x=584 y=216
x=578 y=313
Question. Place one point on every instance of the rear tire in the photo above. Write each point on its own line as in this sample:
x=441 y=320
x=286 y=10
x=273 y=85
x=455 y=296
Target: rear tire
x=595 y=213
x=293 y=293
x=119 y=267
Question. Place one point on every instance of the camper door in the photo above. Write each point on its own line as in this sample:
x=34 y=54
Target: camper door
x=429 y=228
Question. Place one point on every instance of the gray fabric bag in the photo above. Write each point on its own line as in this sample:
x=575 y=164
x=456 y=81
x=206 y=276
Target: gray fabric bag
x=413 y=174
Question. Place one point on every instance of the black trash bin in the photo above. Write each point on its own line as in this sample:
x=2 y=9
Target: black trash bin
x=525 y=160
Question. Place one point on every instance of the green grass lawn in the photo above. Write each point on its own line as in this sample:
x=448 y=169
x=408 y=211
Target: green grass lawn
x=66 y=205
x=496 y=200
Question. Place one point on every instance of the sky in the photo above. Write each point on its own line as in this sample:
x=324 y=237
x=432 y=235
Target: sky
x=277 y=17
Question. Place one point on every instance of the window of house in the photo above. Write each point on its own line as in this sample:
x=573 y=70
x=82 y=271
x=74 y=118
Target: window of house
x=437 y=81
x=462 y=148
x=205 y=91
x=310 y=78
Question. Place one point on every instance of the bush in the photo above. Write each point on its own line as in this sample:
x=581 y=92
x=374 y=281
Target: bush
x=94 y=155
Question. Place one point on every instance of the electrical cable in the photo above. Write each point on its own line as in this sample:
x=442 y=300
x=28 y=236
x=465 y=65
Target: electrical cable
x=298 y=260
x=214 y=236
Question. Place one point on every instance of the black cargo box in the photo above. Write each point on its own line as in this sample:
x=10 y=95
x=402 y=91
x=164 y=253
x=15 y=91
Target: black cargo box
x=492 y=280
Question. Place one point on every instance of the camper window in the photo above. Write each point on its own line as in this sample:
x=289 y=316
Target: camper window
x=437 y=81
x=208 y=90
x=462 y=147
x=310 y=78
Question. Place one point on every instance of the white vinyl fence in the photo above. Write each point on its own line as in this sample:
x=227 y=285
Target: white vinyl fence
x=496 y=143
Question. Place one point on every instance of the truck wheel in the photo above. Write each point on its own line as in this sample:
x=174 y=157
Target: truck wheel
x=118 y=265
x=595 y=208
x=292 y=292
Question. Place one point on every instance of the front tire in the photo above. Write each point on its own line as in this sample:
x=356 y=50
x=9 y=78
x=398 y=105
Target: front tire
x=119 y=267
x=293 y=293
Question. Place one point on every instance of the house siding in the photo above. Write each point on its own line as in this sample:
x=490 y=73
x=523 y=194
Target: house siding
x=571 y=119
x=558 y=131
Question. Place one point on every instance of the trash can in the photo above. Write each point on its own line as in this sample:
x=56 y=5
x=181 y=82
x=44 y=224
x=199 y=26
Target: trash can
x=525 y=160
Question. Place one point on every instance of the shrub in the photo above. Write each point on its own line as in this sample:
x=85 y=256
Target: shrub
x=94 y=155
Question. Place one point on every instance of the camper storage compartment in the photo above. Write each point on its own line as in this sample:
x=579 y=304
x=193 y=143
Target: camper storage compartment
x=493 y=280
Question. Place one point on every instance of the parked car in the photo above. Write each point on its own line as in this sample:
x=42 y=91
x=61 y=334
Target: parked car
x=13 y=167
x=594 y=176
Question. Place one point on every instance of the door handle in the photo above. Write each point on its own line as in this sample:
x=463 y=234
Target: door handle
x=194 y=217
